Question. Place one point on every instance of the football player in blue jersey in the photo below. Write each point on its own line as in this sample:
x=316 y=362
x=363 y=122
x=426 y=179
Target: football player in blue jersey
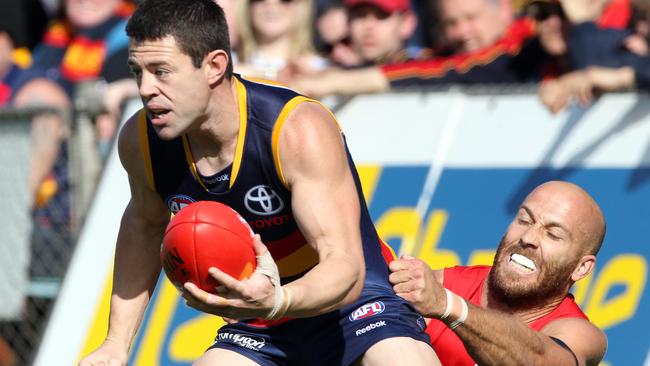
x=320 y=294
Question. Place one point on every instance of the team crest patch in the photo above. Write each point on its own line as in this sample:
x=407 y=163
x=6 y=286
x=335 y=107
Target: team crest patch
x=367 y=310
x=178 y=201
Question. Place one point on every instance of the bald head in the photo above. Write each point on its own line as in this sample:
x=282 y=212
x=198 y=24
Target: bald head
x=573 y=207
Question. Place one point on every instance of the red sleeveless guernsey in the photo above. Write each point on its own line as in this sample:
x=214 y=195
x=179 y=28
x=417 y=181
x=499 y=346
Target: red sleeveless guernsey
x=467 y=282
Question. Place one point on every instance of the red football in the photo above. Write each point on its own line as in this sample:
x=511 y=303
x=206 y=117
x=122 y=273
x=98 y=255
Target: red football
x=207 y=234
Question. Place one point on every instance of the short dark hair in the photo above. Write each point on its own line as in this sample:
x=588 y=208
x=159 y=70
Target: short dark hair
x=198 y=26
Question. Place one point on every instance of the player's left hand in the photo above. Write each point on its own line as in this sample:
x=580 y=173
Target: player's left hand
x=249 y=298
x=414 y=281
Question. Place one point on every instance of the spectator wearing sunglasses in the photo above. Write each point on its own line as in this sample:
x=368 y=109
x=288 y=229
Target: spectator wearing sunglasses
x=379 y=30
x=333 y=35
x=274 y=34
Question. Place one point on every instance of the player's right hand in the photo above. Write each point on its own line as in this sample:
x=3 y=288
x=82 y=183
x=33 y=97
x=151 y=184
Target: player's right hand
x=415 y=282
x=110 y=353
x=253 y=297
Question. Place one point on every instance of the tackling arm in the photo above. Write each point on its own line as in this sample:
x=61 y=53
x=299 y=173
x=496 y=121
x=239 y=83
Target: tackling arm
x=493 y=337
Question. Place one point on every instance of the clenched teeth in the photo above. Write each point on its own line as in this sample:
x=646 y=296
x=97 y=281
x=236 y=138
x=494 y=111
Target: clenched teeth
x=523 y=261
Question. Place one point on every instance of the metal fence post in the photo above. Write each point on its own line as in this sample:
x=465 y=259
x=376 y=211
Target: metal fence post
x=85 y=161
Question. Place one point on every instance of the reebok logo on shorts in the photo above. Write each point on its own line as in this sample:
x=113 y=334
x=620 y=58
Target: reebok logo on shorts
x=367 y=310
x=251 y=343
x=370 y=327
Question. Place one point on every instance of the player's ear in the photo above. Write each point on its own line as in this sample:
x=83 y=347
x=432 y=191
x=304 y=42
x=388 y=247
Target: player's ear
x=584 y=267
x=216 y=65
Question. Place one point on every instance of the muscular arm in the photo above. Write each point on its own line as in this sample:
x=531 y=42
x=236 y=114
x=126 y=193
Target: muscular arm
x=137 y=263
x=492 y=337
x=137 y=266
x=337 y=81
x=495 y=338
x=326 y=207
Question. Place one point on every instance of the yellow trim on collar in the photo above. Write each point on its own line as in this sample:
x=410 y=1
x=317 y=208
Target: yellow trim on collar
x=144 y=146
x=189 y=158
x=243 y=124
x=282 y=117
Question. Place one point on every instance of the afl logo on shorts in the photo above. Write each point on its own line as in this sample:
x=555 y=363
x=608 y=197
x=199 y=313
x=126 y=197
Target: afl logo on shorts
x=262 y=200
x=178 y=201
x=367 y=310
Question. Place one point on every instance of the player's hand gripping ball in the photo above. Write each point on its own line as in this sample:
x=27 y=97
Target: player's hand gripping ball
x=207 y=234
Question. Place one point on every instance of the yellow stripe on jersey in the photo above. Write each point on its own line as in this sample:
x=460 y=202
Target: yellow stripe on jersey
x=297 y=262
x=275 y=138
x=264 y=81
x=243 y=123
x=190 y=162
x=144 y=146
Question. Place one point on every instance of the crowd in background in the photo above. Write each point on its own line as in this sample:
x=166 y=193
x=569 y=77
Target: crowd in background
x=318 y=44
x=323 y=47
x=574 y=49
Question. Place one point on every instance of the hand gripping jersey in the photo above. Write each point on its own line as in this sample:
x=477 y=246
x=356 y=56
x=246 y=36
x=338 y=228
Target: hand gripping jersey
x=467 y=282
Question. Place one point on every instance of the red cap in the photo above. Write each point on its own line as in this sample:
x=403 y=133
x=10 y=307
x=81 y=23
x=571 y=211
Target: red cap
x=389 y=6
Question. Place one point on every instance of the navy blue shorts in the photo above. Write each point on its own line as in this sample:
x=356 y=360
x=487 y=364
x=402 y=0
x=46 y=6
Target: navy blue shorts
x=336 y=338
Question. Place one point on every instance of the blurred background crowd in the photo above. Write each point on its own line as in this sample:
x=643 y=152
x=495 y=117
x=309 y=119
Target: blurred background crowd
x=60 y=58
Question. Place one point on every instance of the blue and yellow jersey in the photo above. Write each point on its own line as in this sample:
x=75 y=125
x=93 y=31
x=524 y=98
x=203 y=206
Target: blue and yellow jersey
x=253 y=184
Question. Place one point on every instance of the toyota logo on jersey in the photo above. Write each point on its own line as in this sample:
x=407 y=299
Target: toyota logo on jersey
x=367 y=310
x=262 y=200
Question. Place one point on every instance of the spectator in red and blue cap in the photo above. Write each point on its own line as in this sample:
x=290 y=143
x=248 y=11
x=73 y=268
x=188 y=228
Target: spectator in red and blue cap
x=380 y=29
x=484 y=44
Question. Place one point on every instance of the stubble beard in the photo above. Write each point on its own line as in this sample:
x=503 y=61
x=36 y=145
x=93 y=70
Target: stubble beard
x=551 y=283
